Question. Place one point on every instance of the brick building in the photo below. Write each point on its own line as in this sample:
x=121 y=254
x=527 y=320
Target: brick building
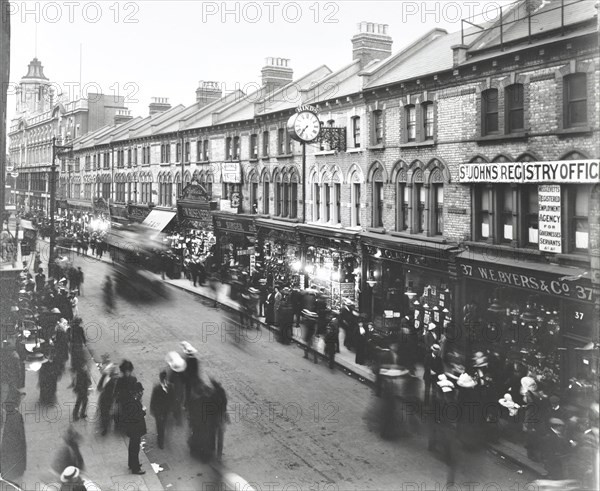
x=430 y=196
x=41 y=115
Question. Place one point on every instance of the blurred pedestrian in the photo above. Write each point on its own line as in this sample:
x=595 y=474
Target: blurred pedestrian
x=161 y=404
x=106 y=388
x=191 y=372
x=69 y=454
x=433 y=367
x=331 y=338
x=80 y=388
x=109 y=300
x=220 y=400
x=176 y=376
x=13 y=445
x=134 y=425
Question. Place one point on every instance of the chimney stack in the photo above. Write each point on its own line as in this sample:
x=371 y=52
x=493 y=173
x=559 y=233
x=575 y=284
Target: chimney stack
x=371 y=43
x=122 y=116
x=208 y=92
x=159 y=105
x=275 y=74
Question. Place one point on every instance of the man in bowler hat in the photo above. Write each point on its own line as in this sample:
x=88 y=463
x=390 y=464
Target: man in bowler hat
x=134 y=424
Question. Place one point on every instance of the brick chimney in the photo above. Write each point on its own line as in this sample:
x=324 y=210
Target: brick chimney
x=122 y=116
x=276 y=73
x=208 y=92
x=159 y=105
x=371 y=43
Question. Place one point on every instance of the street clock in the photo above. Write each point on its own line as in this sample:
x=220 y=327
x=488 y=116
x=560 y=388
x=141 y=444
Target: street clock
x=304 y=126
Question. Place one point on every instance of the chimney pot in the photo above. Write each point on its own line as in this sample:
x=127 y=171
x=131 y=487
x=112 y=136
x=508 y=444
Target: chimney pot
x=372 y=42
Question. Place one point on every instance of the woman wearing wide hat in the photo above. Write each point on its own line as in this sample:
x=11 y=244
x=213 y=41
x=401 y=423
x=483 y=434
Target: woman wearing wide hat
x=176 y=376
x=469 y=411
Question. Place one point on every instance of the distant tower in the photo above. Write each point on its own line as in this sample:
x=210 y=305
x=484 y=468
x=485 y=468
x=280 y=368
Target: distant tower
x=34 y=93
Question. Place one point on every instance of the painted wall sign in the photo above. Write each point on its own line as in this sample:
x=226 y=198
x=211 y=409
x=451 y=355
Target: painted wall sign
x=567 y=171
x=231 y=172
x=550 y=234
x=546 y=285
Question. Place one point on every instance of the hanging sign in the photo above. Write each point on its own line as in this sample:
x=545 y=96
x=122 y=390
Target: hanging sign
x=231 y=172
x=550 y=234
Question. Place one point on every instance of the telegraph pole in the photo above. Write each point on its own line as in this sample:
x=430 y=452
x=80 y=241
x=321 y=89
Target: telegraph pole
x=55 y=150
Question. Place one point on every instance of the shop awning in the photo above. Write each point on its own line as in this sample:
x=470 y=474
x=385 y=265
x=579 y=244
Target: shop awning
x=157 y=220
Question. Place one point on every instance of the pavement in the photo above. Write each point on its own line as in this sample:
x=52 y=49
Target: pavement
x=105 y=457
x=344 y=361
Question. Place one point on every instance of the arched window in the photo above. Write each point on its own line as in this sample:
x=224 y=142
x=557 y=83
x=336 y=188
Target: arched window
x=293 y=194
x=378 y=197
x=489 y=111
x=402 y=201
x=253 y=185
x=514 y=102
x=266 y=193
x=420 y=200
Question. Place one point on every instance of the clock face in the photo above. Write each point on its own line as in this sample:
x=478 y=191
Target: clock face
x=307 y=126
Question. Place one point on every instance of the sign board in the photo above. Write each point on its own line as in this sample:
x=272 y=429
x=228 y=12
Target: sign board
x=231 y=172
x=539 y=283
x=550 y=234
x=567 y=171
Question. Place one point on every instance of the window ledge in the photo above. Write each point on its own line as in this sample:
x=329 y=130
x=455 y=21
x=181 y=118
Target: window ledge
x=285 y=219
x=325 y=152
x=575 y=130
x=381 y=146
x=265 y=157
x=165 y=163
x=483 y=245
x=426 y=238
x=500 y=136
x=253 y=161
x=573 y=257
x=376 y=230
x=354 y=150
x=424 y=143
x=284 y=156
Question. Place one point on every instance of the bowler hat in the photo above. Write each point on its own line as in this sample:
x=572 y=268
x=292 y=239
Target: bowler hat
x=126 y=366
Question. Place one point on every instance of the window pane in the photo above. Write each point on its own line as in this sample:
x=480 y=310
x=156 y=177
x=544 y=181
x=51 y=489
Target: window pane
x=578 y=112
x=490 y=98
x=577 y=86
x=581 y=203
x=491 y=122
x=440 y=194
x=507 y=199
x=485 y=199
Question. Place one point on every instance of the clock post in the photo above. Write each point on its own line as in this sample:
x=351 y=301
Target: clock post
x=304 y=127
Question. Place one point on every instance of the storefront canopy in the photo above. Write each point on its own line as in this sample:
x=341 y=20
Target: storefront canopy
x=157 y=220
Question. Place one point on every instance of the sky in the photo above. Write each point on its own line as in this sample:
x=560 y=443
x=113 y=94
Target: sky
x=154 y=48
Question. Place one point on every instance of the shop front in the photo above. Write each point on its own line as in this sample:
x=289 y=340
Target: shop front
x=408 y=283
x=235 y=241
x=138 y=213
x=332 y=263
x=542 y=317
x=119 y=213
x=279 y=253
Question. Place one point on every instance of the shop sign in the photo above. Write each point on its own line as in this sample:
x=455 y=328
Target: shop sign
x=246 y=252
x=235 y=226
x=195 y=191
x=347 y=290
x=231 y=172
x=567 y=171
x=550 y=235
x=545 y=286
x=196 y=214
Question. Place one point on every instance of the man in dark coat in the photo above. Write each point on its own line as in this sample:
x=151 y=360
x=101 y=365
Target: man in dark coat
x=134 y=425
x=433 y=367
x=331 y=339
x=80 y=387
x=161 y=404
x=124 y=391
x=40 y=280
x=13 y=450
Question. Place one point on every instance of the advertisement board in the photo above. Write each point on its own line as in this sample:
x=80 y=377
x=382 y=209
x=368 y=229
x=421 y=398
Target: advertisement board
x=549 y=208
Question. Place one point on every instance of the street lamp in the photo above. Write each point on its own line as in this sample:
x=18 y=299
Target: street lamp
x=56 y=150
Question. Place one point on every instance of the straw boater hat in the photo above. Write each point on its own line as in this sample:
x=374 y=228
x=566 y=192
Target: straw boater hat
x=55 y=311
x=188 y=349
x=466 y=381
x=480 y=360
x=70 y=474
x=527 y=384
x=431 y=326
x=508 y=403
x=436 y=348
x=175 y=361
x=310 y=314
x=347 y=301
x=445 y=384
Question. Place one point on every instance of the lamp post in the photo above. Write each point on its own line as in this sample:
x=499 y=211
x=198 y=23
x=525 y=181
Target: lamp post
x=56 y=149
